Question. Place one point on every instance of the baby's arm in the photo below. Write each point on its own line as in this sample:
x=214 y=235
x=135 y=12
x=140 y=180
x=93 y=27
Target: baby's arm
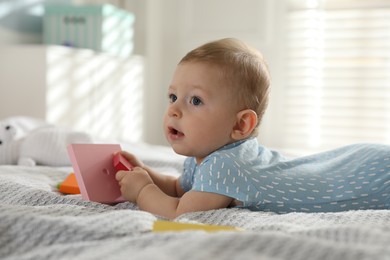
x=170 y=185
x=167 y=183
x=137 y=186
x=160 y=194
x=152 y=199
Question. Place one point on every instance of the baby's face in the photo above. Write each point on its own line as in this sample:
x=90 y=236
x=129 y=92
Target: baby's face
x=200 y=116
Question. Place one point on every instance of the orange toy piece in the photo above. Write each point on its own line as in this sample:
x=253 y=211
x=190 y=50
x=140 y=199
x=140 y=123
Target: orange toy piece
x=69 y=185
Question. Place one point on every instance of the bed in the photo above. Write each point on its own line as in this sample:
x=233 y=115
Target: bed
x=38 y=222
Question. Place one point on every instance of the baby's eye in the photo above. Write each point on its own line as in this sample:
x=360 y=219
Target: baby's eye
x=196 y=101
x=172 y=98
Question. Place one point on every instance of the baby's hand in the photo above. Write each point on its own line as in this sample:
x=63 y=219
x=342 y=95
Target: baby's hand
x=132 y=182
x=132 y=159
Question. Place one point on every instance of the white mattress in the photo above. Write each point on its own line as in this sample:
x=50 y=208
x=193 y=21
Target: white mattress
x=38 y=222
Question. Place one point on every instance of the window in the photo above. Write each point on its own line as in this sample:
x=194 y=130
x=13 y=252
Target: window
x=338 y=73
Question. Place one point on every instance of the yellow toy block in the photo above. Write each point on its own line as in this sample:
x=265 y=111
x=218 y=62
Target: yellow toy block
x=164 y=226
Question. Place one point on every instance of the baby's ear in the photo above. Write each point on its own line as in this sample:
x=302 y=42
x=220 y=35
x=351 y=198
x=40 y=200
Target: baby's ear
x=246 y=123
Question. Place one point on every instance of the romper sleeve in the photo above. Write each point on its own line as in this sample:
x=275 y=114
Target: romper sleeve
x=187 y=178
x=223 y=176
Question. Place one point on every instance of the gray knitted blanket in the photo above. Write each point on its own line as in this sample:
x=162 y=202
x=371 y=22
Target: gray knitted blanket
x=37 y=222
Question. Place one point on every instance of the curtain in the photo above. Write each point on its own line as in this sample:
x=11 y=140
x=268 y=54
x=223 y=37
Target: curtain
x=338 y=73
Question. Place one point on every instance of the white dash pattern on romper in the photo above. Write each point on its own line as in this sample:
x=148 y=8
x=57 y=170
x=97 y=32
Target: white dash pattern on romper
x=348 y=178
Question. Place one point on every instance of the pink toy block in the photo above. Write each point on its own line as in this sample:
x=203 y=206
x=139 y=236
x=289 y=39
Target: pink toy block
x=121 y=164
x=95 y=172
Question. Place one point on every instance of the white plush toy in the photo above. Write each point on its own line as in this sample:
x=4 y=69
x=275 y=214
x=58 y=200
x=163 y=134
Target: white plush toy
x=43 y=145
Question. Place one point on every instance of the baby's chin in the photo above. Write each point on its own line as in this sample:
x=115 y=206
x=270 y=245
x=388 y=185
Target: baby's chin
x=181 y=151
x=190 y=153
x=200 y=152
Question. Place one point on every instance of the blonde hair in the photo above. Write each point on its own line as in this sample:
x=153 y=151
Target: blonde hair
x=243 y=69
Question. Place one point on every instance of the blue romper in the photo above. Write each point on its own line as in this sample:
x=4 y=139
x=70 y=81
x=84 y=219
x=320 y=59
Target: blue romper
x=349 y=178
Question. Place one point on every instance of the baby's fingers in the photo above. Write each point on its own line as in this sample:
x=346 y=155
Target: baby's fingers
x=132 y=159
x=120 y=174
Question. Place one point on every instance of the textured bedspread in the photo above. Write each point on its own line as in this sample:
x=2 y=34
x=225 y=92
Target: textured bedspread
x=37 y=222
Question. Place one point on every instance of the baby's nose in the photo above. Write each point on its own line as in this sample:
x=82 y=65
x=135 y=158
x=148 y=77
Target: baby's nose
x=174 y=111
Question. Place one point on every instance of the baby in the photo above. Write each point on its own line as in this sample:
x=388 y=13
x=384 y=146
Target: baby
x=218 y=95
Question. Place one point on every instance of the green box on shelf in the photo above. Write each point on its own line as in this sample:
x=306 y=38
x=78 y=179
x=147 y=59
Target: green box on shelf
x=104 y=28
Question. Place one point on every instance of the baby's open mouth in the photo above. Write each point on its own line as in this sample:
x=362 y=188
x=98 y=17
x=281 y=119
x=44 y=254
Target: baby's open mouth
x=175 y=132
